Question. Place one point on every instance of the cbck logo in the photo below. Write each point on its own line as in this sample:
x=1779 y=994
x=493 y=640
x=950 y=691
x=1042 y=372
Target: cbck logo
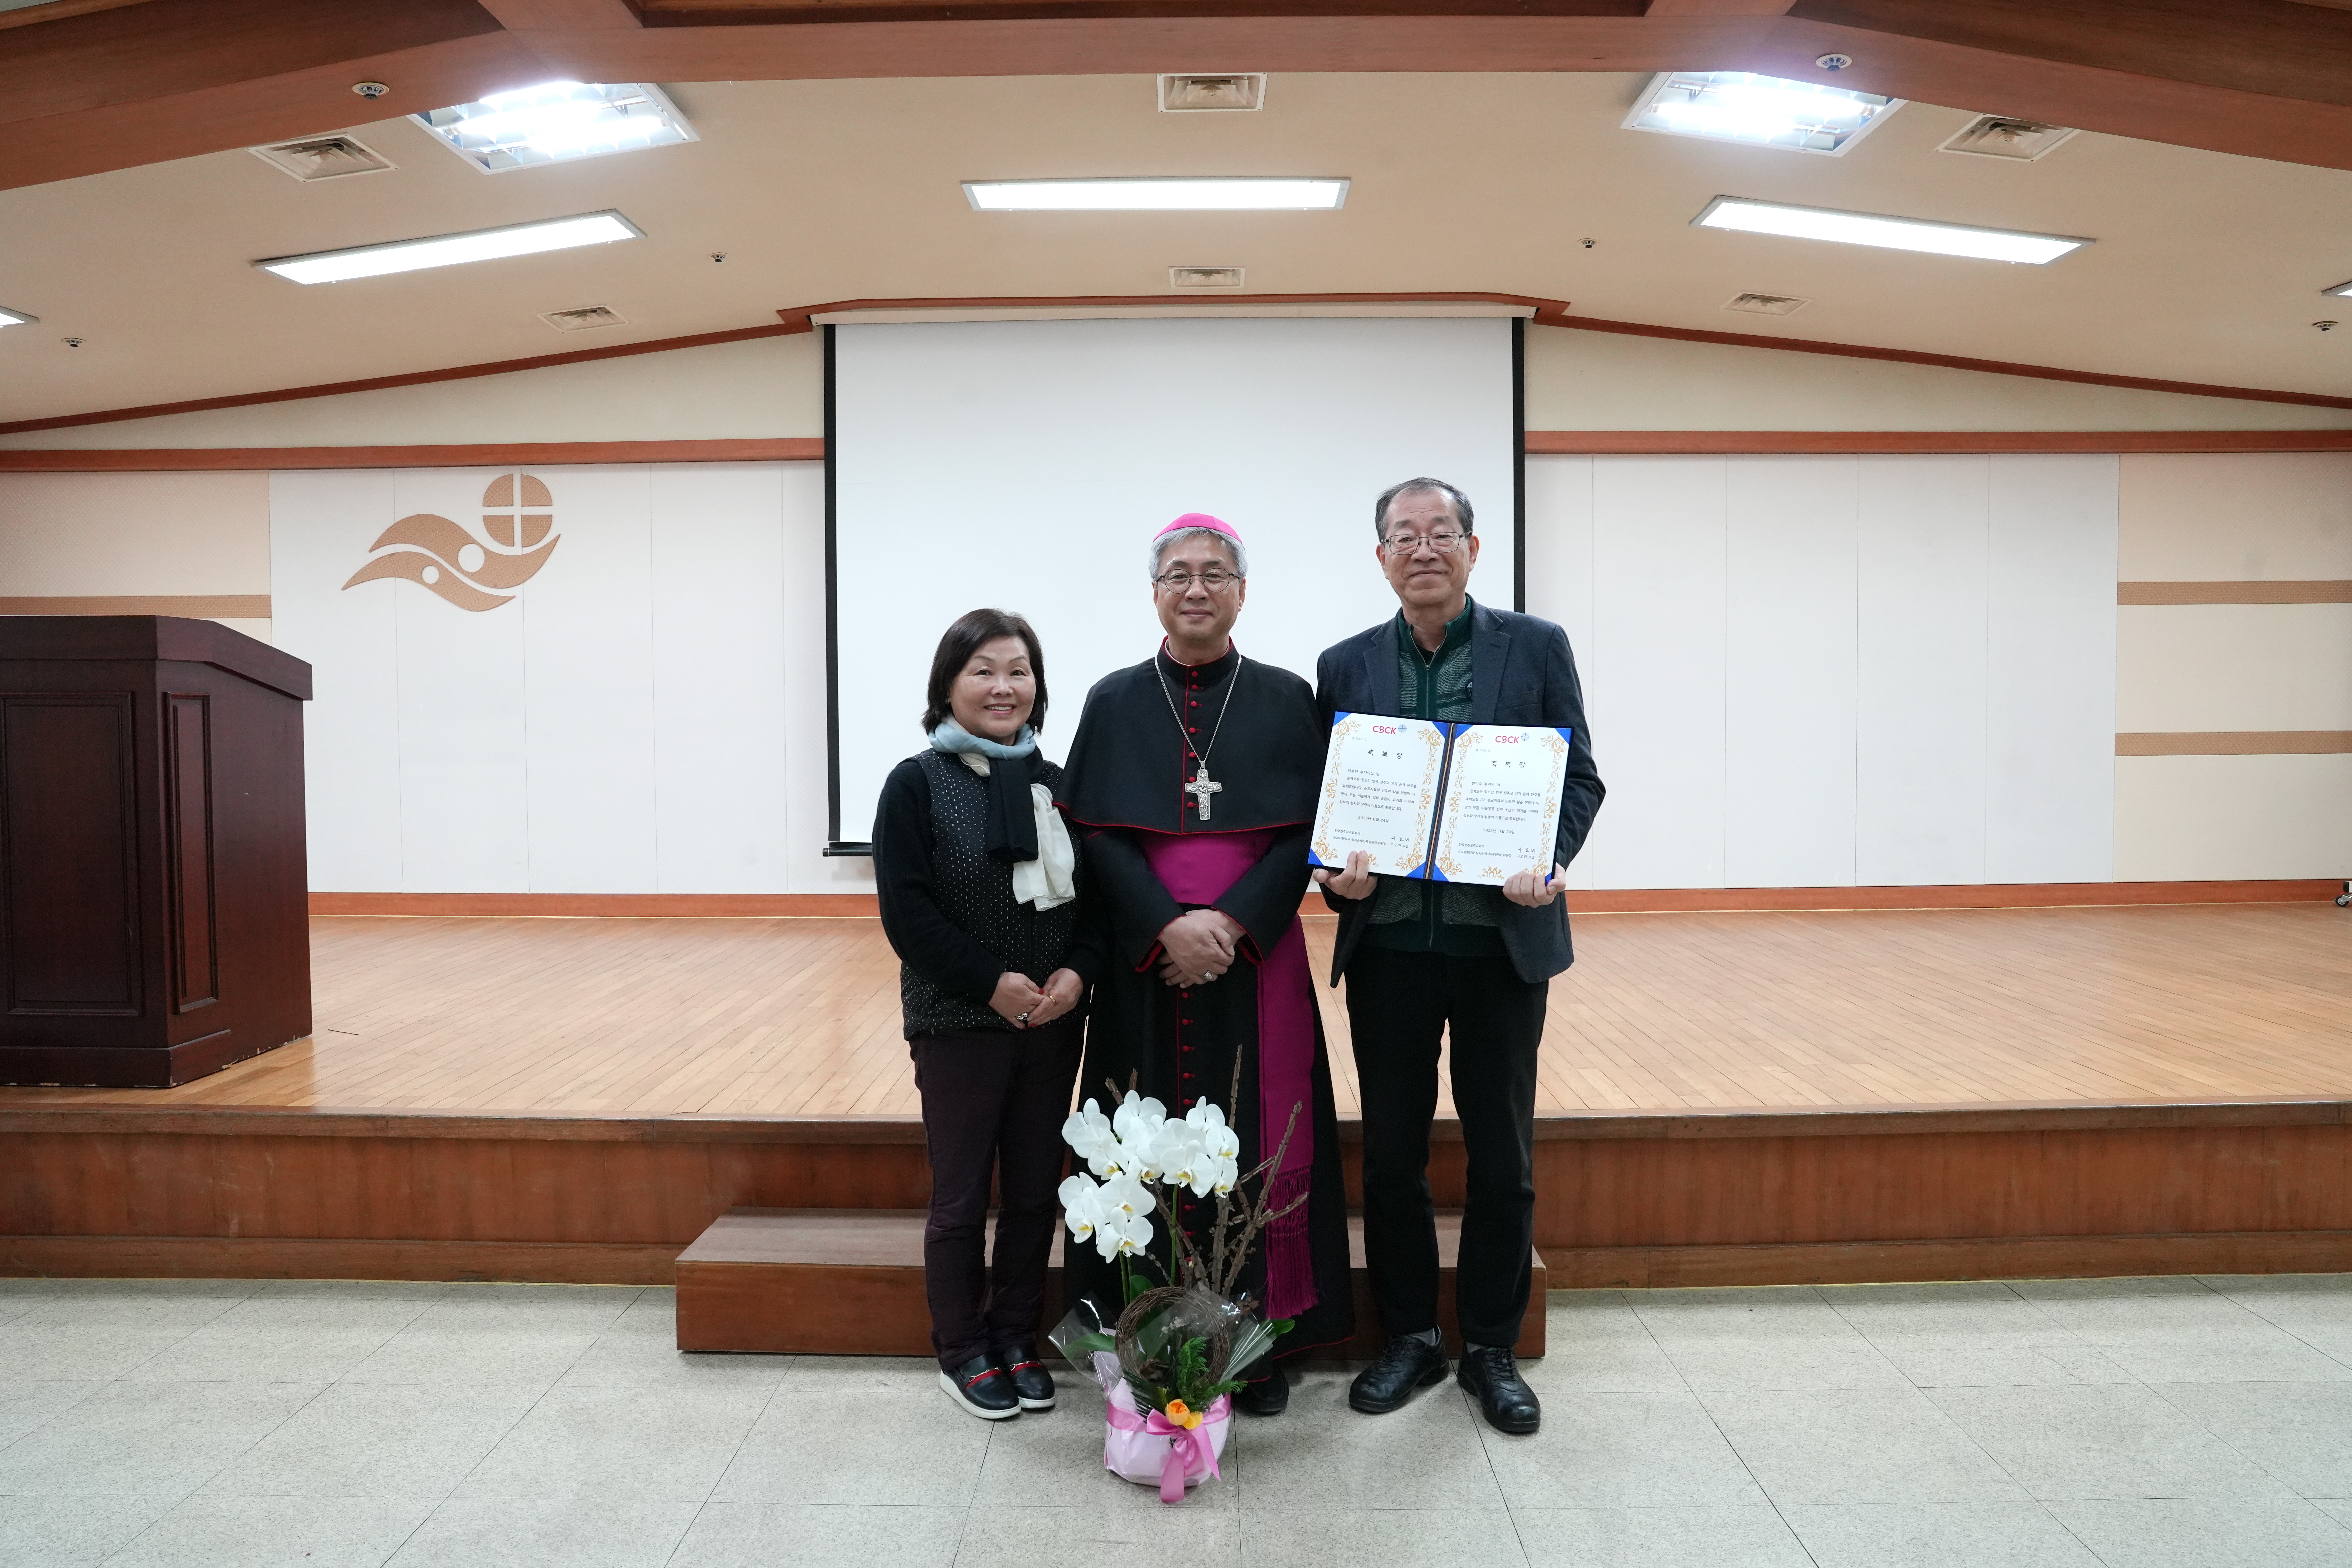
x=440 y=556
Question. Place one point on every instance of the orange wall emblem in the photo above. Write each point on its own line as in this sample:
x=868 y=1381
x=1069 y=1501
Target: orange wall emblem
x=440 y=556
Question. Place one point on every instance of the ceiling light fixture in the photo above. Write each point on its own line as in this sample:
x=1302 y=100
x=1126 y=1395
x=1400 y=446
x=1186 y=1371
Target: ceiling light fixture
x=1159 y=194
x=1736 y=213
x=1761 y=110
x=556 y=122
x=15 y=319
x=2343 y=289
x=452 y=249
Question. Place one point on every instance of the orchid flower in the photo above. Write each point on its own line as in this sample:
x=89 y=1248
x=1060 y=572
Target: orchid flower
x=1124 y=1194
x=1088 y=1131
x=1184 y=1160
x=1137 y=1118
x=1082 y=1206
x=1120 y=1234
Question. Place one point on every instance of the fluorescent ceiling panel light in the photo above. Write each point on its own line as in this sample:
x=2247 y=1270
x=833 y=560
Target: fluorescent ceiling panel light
x=556 y=122
x=450 y=249
x=1761 y=110
x=1248 y=194
x=15 y=319
x=2343 y=289
x=1887 y=233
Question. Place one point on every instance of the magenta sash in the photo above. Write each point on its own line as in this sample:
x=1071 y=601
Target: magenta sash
x=1197 y=868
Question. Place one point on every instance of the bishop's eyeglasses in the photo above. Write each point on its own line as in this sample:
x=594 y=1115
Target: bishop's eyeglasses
x=1180 y=581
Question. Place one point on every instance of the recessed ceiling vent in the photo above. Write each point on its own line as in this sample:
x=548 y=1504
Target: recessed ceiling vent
x=585 y=318
x=1995 y=136
x=1766 y=304
x=323 y=157
x=1204 y=277
x=1227 y=91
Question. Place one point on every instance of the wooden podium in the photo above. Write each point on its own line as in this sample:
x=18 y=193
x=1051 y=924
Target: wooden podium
x=154 y=921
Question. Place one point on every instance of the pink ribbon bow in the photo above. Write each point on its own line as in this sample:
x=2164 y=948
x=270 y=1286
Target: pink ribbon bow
x=1188 y=1446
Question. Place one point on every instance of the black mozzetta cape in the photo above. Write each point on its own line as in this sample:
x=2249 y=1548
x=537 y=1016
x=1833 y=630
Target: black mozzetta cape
x=1127 y=764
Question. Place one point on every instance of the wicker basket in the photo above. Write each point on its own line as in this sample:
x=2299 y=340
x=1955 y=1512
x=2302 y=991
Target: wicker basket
x=1220 y=1340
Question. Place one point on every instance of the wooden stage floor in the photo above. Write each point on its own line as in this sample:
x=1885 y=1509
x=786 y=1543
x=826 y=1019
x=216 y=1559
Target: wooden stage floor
x=799 y=1017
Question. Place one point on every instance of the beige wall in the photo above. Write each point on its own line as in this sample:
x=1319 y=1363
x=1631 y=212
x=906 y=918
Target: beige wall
x=2217 y=518
x=1614 y=381
x=1575 y=381
x=763 y=387
x=136 y=535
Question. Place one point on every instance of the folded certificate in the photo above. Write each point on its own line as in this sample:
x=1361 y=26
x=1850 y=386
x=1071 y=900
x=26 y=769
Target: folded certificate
x=1447 y=803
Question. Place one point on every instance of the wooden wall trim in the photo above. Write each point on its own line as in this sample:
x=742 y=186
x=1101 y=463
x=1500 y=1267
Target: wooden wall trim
x=701 y=906
x=409 y=378
x=2303 y=592
x=1968 y=896
x=1950 y=361
x=185 y=459
x=1849 y=443
x=1540 y=443
x=1608 y=900
x=2234 y=744
x=200 y=606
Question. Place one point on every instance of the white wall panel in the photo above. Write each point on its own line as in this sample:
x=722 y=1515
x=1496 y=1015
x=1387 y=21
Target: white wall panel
x=1654 y=671
x=464 y=778
x=2050 y=711
x=1560 y=574
x=1919 y=794
x=721 y=751
x=588 y=684
x=320 y=524
x=1789 y=629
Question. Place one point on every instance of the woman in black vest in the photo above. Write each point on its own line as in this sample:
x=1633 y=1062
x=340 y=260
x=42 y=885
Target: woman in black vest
x=979 y=885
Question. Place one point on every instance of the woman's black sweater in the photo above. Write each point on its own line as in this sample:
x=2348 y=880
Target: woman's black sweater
x=949 y=908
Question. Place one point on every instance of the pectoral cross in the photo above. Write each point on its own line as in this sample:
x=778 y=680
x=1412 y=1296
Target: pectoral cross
x=1202 y=787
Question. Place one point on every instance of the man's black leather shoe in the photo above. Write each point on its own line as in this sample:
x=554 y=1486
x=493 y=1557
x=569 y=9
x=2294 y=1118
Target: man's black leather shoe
x=1407 y=1366
x=1268 y=1396
x=1491 y=1373
x=1032 y=1384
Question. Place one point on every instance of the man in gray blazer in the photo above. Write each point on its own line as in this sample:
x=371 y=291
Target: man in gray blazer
x=1424 y=959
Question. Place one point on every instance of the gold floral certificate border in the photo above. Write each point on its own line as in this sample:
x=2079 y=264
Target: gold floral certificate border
x=1548 y=741
x=1325 y=851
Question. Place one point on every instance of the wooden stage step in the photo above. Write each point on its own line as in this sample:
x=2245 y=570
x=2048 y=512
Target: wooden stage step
x=850 y=1282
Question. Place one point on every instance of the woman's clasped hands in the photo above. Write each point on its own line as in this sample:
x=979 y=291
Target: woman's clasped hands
x=1030 y=1005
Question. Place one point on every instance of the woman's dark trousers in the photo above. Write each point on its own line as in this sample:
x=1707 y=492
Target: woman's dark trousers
x=993 y=1104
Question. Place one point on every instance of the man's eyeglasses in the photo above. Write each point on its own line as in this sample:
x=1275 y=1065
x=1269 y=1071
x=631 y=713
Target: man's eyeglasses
x=1444 y=542
x=1180 y=581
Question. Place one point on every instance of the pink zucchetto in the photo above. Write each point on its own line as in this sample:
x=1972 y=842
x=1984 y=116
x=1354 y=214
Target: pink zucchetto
x=1201 y=522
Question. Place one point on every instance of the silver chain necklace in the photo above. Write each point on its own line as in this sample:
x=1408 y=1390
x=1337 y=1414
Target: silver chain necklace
x=1202 y=786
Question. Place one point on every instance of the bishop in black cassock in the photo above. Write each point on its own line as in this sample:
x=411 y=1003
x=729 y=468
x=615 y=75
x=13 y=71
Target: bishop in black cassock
x=1193 y=781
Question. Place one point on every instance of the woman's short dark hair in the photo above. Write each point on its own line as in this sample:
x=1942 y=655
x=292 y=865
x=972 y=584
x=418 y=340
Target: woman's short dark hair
x=973 y=631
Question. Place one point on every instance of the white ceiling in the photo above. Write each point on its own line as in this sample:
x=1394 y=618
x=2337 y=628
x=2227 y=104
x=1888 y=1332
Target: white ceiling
x=2208 y=267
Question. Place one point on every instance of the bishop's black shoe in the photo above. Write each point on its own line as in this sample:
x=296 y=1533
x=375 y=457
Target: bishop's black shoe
x=1268 y=1396
x=1491 y=1373
x=1032 y=1384
x=1407 y=1366
x=982 y=1388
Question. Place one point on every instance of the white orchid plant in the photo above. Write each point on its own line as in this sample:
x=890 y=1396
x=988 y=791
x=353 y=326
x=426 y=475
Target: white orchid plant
x=1139 y=1160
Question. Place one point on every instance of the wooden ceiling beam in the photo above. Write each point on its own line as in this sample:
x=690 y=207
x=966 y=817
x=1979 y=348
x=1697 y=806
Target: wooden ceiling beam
x=83 y=90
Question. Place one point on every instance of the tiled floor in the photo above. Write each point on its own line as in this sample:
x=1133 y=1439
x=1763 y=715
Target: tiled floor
x=2134 y=1423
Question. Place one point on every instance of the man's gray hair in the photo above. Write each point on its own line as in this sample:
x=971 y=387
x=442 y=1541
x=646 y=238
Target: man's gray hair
x=1415 y=486
x=1232 y=547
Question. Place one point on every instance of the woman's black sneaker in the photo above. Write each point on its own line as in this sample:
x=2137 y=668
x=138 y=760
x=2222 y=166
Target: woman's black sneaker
x=982 y=1388
x=1032 y=1384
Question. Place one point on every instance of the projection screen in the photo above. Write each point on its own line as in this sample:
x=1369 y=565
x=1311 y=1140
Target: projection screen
x=1025 y=465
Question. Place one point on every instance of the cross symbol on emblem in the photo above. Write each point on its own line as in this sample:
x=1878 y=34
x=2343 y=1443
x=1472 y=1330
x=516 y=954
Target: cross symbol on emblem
x=1202 y=787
